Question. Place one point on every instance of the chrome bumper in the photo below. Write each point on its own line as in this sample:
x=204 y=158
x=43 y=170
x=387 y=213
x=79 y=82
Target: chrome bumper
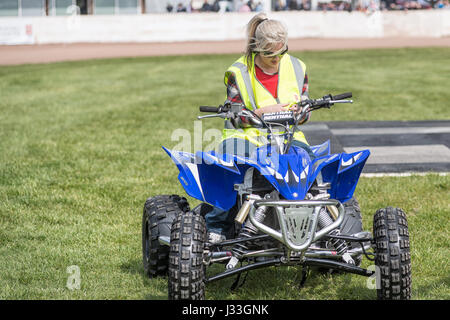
x=289 y=212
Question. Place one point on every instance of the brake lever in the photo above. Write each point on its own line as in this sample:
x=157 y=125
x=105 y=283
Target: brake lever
x=305 y=110
x=341 y=101
x=217 y=115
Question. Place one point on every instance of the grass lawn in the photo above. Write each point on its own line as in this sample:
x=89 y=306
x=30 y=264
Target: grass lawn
x=80 y=151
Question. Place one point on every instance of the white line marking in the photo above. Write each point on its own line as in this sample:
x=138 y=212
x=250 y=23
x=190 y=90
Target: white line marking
x=313 y=127
x=402 y=174
x=398 y=130
x=434 y=153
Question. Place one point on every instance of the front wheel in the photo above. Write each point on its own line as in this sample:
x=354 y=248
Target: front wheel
x=186 y=269
x=393 y=259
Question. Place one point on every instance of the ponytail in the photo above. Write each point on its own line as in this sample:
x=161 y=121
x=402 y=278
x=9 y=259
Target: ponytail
x=251 y=39
x=261 y=34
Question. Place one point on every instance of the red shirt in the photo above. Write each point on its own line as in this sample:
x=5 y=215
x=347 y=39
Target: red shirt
x=233 y=94
x=270 y=82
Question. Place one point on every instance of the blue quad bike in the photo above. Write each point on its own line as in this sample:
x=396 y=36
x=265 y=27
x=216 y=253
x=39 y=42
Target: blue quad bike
x=288 y=206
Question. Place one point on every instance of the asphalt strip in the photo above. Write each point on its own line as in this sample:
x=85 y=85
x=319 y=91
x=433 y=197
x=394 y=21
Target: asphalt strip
x=398 y=148
x=379 y=131
x=405 y=154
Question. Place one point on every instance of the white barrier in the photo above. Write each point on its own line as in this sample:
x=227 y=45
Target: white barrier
x=218 y=27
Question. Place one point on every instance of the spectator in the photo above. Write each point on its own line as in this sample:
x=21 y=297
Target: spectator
x=251 y=5
x=293 y=5
x=424 y=4
x=368 y=6
x=373 y=6
x=181 y=8
x=215 y=6
x=259 y=7
x=441 y=5
x=385 y=4
x=206 y=7
x=189 y=7
x=280 y=5
x=244 y=7
x=306 y=4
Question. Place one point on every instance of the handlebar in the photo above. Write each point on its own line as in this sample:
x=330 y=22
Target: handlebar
x=230 y=110
x=342 y=96
x=209 y=109
x=285 y=119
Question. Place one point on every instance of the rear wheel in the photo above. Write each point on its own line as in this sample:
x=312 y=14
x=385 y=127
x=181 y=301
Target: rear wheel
x=186 y=269
x=159 y=213
x=393 y=259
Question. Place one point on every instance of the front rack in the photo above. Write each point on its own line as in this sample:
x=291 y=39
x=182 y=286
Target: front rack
x=298 y=221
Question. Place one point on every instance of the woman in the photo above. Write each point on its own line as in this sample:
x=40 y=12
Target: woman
x=265 y=79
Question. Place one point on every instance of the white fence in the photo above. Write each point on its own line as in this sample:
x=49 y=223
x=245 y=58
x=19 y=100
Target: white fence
x=218 y=27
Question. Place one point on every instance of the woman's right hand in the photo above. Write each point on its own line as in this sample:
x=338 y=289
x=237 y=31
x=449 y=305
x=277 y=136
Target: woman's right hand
x=273 y=108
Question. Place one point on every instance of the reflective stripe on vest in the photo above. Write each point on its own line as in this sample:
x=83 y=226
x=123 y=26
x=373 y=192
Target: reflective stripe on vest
x=247 y=83
x=299 y=73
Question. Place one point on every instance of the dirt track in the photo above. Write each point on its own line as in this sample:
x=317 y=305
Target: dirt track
x=21 y=54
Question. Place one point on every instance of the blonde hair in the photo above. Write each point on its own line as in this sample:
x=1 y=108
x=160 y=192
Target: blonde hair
x=262 y=33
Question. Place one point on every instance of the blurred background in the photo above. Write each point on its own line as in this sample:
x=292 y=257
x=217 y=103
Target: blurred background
x=70 y=21
x=95 y=7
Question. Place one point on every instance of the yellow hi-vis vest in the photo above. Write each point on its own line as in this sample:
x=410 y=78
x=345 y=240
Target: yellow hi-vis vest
x=291 y=74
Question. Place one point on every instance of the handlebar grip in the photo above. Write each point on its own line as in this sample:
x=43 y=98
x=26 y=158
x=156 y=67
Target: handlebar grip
x=342 y=96
x=209 y=109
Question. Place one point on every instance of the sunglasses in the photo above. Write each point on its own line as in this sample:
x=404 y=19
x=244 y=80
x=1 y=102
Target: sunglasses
x=270 y=54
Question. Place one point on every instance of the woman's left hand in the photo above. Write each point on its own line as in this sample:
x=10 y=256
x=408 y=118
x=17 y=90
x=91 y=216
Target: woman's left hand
x=296 y=108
